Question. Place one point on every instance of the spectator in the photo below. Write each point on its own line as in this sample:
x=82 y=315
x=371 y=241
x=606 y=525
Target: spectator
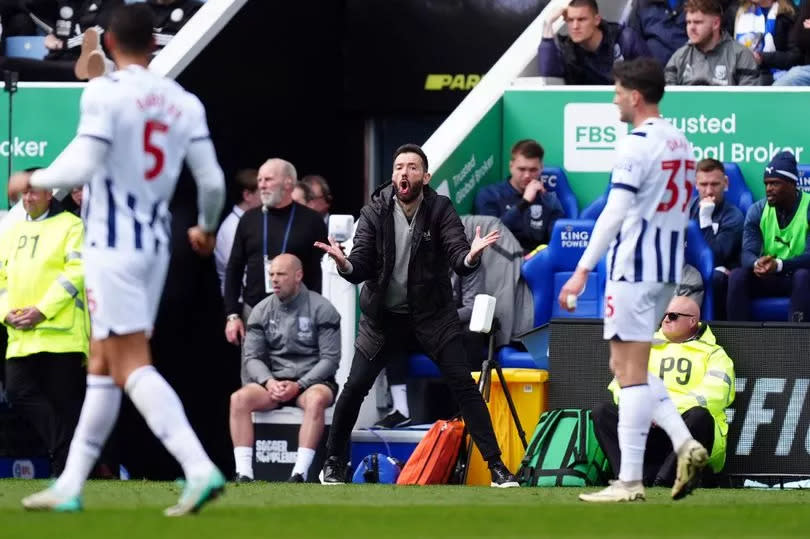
x=64 y=23
x=587 y=54
x=291 y=354
x=465 y=289
x=278 y=226
x=721 y=224
x=711 y=56
x=661 y=24
x=43 y=305
x=700 y=382
x=521 y=201
x=797 y=57
x=320 y=196
x=248 y=188
x=300 y=193
x=775 y=250
x=764 y=27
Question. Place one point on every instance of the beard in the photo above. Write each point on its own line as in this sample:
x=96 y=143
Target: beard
x=271 y=199
x=408 y=192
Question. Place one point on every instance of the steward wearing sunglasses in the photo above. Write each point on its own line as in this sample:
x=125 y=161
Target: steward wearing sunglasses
x=699 y=377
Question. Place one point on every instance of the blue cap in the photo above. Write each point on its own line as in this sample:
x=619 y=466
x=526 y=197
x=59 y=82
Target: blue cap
x=783 y=166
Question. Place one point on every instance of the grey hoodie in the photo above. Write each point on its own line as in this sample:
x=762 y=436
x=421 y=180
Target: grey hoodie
x=728 y=64
x=297 y=340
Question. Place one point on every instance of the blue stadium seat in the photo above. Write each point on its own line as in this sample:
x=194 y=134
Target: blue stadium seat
x=698 y=254
x=26 y=47
x=556 y=181
x=595 y=208
x=547 y=271
x=774 y=309
x=738 y=192
x=804 y=177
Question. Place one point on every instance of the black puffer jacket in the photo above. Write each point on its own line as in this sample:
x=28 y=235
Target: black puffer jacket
x=438 y=245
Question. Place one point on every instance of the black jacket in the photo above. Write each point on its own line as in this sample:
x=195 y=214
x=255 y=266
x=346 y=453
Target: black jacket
x=438 y=245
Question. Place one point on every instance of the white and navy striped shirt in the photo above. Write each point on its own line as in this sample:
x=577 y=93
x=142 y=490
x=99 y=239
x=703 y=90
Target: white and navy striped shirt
x=149 y=123
x=656 y=163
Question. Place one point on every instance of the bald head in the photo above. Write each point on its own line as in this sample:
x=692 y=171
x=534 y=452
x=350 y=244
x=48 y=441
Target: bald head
x=286 y=274
x=276 y=180
x=681 y=320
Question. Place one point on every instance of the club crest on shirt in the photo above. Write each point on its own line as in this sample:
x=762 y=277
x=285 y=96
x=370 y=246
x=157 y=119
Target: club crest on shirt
x=536 y=211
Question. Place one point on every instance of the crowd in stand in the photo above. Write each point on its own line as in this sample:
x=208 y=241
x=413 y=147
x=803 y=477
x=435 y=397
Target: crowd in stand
x=701 y=42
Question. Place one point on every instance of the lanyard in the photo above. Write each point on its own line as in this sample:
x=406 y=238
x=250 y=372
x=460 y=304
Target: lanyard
x=286 y=232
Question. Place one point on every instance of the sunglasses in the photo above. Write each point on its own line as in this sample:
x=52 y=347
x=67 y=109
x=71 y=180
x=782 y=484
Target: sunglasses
x=673 y=316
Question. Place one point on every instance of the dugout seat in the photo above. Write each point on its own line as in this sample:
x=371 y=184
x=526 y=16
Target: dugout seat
x=738 y=192
x=697 y=253
x=804 y=177
x=556 y=181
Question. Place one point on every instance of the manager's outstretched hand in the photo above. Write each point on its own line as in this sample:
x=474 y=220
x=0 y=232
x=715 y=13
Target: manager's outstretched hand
x=479 y=244
x=335 y=252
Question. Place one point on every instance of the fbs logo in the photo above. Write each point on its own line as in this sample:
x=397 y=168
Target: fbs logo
x=591 y=132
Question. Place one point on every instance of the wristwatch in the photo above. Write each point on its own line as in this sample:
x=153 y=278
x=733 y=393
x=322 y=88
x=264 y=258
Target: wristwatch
x=232 y=317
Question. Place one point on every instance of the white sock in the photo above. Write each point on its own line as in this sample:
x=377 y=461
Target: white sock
x=666 y=415
x=243 y=457
x=399 y=394
x=99 y=412
x=161 y=408
x=303 y=461
x=635 y=415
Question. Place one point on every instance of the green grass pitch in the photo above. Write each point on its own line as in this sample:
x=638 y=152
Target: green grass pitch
x=132 y=509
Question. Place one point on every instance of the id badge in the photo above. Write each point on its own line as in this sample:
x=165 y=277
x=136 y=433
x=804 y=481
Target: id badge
x=268 y=286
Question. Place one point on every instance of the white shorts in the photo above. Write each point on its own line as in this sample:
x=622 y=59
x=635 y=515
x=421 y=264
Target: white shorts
x=633 y=311
x=123 y=289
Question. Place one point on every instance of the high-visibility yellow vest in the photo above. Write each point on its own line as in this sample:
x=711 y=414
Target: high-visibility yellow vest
x=41 y=266
x=696 y=373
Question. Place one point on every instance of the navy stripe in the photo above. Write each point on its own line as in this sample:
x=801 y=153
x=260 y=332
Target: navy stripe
x=152 y=224
x=136 y=224
x=615 y=250
x=638 y=257
x=673 y=250
x=659 y=271
x=198 y=139
x=96 y=137
x=638 y=134
x=625 y=186
x=110 y=214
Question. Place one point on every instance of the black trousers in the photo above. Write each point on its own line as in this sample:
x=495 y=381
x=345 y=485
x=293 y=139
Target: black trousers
x=474 y=344
x=452 y=363
x=48 y=390
x=659 y=457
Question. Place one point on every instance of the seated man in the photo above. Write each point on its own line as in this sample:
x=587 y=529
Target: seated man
x=721 y=224
x=699 y=377
x=290 y=355
x=587 y=53
x=711 y=57
x=661 y=24
x=521 y=201
x=775 y=250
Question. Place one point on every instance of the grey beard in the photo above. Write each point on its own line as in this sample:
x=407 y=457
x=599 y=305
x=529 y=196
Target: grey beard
x=270 y=200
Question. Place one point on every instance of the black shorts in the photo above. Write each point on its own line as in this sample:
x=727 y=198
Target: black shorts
x=330 y=383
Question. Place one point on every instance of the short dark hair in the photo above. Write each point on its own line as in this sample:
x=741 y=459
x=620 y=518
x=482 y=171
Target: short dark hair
x=585 y=3
x=710 y=7
x=710 y=164
x=247 y=178
x=412 y=148
x=305 y=188
x=642 y=74
x=133 y=25
x=528 y=148
x=316 y=179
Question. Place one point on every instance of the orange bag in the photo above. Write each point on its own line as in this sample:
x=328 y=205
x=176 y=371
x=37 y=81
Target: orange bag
x=434 y=458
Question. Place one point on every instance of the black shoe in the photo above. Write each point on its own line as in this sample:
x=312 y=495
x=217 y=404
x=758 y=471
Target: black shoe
x=296 y=478
x=242 y=479
x=393 y=421
x=501 y=476
x=334 y=472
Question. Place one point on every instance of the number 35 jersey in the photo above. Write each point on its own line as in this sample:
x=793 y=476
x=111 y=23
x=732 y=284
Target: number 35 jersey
x=148 y=122
x=656 y=163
